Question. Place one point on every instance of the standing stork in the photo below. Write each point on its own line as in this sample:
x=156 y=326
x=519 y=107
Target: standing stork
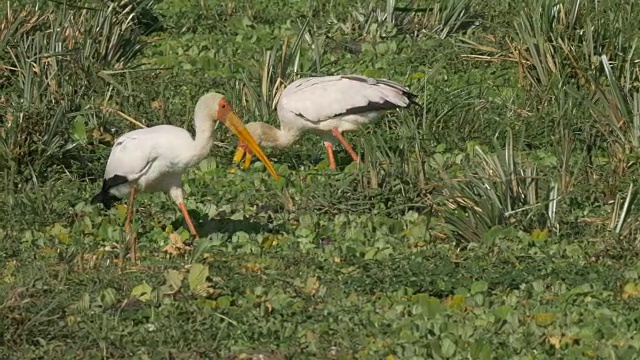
x=153 y=159
x=327 y=106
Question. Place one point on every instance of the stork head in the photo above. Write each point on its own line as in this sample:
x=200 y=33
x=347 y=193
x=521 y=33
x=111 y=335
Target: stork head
x=267 y=136
x=214 y=107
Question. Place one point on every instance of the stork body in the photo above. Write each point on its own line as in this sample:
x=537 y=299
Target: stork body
x=154 y=159
x=151 y=160
x=327 y=106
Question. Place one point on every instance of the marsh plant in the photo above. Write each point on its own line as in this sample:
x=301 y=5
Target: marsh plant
x=496 y=219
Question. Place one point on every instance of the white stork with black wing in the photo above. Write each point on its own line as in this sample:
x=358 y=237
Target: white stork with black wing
x=327 y=106
x=154 y=159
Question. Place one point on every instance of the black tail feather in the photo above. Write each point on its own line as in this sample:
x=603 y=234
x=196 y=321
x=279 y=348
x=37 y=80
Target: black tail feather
x=106 y=199
x=412 y=99
x=104 y=196
x=386 y=105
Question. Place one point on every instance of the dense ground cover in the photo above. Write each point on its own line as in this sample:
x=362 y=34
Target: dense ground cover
x=498 y=220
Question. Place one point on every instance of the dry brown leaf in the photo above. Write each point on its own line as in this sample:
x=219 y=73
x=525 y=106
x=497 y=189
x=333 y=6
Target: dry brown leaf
x=157 y=105
x=312 y=286
x=176 y=245
x=251 y=267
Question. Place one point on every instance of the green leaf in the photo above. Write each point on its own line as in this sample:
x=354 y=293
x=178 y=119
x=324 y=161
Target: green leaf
x=281 y=183
x=224 y=301
x=417 y=232
x=502 y=312
x=447 y=348
x=312 y=285
x=173 y=281
x=431 y=305
x=83 y=304
x=79 y=129
x=60 y=232
x=108 y=297
x=370 y=254
x=142 y=292
x=479 y=286
x=481 y=351
x=544 y=319
x=198 y=280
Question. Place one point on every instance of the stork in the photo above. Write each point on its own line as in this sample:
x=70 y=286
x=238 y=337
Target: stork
x=153 y=159
x=327 y=106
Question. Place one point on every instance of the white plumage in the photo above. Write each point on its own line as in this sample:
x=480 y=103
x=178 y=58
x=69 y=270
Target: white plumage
x=154 y=159
x=327 y=106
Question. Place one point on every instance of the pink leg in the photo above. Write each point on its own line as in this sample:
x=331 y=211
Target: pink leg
x=332 y=161
x=127 y=223
x=185 y=213
x=133 y=238
x=346 y=145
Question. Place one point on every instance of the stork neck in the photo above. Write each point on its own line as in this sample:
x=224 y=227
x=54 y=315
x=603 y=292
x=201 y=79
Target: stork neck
x=283 y=137
x=203 y=139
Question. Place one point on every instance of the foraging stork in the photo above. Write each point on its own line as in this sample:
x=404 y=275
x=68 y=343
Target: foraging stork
x=327 y=106
x=153 y=159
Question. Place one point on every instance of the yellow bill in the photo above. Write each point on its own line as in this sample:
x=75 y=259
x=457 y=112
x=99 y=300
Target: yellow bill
x=233 y=122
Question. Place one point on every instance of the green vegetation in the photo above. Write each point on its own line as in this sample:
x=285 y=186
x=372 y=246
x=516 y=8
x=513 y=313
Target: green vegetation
x=496 y=221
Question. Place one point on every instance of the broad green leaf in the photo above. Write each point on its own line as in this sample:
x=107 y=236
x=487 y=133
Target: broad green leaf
x=142 y=292
x=630 y=290
x=502 y=312
x=60 y=232
x=635 y=342
x=540 y=235
x=83 y=304
x=478 y=299
x=433 y=307
x=588 y=334
x=173 y=280
x=122 y=211
x=207 y=303
x=370 y=254
x=312 y=285
x=269 y=240
x=197 y=279
x=7 y=274
x=481 y=351
x=447 y=347
x=223 y=301
x=79 y=129
x=479 y=286
x=281 y=183
x=544 y=319
x=417 y=232
x=108 y=297
x=456 y=302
